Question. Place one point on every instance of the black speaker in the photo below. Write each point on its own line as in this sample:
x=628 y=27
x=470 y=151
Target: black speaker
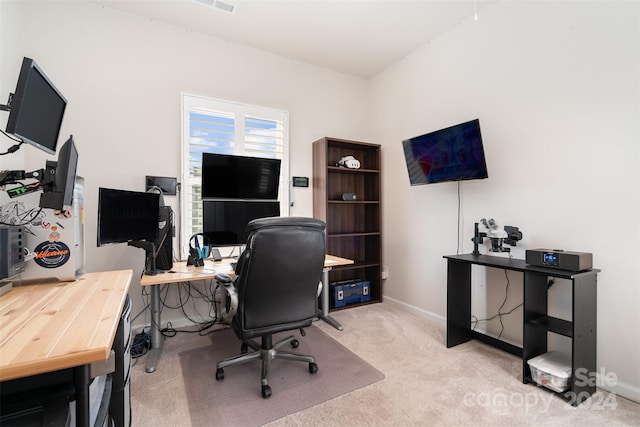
x=164 y=241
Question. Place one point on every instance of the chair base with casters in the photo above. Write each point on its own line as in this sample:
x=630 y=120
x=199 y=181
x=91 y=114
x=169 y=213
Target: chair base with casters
x=266 y=352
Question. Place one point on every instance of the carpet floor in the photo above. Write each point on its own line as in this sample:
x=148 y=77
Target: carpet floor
x=425 y=383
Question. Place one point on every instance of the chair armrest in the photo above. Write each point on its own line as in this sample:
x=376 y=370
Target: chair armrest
x=229 y=302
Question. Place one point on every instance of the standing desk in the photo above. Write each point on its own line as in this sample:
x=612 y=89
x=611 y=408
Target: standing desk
x=182 y=273
x=58 y=325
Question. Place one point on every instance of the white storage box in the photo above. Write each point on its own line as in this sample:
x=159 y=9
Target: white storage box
x=552 y=370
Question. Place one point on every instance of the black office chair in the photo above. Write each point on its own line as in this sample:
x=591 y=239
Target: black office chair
x=275 y=289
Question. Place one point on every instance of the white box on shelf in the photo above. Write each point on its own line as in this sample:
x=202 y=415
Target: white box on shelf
x=551 y=370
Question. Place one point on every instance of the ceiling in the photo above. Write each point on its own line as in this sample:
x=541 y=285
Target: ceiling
x=355 y=37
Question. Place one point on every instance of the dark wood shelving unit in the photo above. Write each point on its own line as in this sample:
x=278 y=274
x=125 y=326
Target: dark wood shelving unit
x=353 y=226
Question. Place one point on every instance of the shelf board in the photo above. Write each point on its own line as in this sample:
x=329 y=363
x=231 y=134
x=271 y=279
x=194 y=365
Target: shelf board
x=553 y=324
x=348 y=170
x=351 y=202
x=355 y=265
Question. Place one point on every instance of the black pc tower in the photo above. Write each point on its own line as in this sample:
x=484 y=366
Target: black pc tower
x=164 y=241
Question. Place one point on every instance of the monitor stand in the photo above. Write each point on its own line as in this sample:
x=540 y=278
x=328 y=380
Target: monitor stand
x=150 y=256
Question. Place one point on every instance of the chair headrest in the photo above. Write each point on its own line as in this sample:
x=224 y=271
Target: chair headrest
x=292 y=221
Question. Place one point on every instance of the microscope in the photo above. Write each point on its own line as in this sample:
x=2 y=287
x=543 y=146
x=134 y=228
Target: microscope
x=497 y=235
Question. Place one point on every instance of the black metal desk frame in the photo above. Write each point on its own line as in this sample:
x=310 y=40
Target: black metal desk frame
x=536 y=323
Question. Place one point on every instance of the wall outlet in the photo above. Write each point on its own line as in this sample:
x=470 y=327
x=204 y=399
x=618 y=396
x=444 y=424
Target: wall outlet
x=385 y=272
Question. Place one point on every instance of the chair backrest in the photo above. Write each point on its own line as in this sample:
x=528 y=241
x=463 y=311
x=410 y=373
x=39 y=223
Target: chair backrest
x=278 y=275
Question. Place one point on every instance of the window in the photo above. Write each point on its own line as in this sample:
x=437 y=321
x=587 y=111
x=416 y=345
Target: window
x=223 y=127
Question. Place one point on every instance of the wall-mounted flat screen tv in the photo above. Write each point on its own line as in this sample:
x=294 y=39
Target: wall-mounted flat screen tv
x=455 y=153
x=36 y=108
x=227 y=176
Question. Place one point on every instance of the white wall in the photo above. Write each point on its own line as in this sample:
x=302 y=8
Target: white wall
x=556 y=88
x=123 y=77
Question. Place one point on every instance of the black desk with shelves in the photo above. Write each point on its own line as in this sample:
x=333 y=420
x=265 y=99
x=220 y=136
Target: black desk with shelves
x=536 y=322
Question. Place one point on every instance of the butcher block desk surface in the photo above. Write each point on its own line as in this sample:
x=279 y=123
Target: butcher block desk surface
x=58 y=325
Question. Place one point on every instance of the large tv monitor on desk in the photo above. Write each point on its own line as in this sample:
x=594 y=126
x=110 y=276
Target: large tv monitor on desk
x=227 y=176
x=225 y=222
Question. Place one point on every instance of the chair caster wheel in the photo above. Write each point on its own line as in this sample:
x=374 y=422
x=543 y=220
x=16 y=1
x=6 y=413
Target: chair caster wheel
x=266 y=391
x=219 y=374
x=244 y=348
x=313 y=368
x=295 y=343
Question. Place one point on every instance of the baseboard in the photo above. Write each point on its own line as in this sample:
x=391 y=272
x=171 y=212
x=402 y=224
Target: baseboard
x=416 y=310
x=621 y=389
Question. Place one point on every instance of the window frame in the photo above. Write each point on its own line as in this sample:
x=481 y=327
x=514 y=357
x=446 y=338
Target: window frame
x=197 y=103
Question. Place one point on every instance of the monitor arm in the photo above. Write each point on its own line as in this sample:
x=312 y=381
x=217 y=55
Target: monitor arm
x=150 y=255
x=15 y=176
x=7 y=107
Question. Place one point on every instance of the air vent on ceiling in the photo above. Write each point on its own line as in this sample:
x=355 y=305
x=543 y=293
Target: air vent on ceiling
x=223 y=6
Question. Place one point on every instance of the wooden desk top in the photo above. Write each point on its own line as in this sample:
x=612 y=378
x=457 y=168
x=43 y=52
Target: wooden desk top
x=47 y=327
x=183 y=273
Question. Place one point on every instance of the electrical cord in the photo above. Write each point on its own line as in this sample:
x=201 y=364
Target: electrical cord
x=185 y=292
x=140 y=345
x=458 y=224
x=14 y=147
x=475 y=321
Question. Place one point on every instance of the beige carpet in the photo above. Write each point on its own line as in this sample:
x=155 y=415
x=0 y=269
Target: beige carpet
x=237 y=400
x=425 y=384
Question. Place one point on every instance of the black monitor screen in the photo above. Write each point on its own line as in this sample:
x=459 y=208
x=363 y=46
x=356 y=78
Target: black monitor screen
x=59 y=193
x=36 y=108
x=125 y=216
x=452 y=154
x=225 y=222
x=237 y=177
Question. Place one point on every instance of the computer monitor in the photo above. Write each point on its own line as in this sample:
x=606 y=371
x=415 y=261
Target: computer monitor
x=224 y=222
x=59 y=178
x=126 y=216
x=239 y=177
x=36 y=109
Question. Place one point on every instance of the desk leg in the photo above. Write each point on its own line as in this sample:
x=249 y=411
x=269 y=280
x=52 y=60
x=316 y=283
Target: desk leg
x=324 y=315
x=458 y=302
x=81 y=382
x=156 y=336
